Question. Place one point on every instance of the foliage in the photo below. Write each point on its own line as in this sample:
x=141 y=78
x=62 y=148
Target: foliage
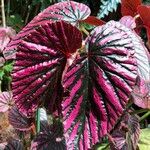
x=91 y=76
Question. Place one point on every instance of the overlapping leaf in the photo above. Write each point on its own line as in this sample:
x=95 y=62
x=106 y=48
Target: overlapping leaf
x=99 y=84
x=19 y=121
x=129 y=7
x=40 y=60
x=5 y=101
x=68 y=11
x=51 y=138
x=14 y=144
x=125 y=139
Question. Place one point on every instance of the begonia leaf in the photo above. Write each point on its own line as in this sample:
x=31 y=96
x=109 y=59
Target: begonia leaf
x=68 y=11
x=124 y=139
x=14 y=144
x=99 y=84
x=40 y=61
x=50 y=138
x=5 y=101
x=18 y=120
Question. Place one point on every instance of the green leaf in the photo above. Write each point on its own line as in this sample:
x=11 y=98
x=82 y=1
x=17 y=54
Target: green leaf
x=8 y=67
x=1 y=74
x=16 y=22
x=144 y=142
x=107 y=6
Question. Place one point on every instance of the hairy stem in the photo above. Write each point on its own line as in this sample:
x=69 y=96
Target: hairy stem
x=3 y=14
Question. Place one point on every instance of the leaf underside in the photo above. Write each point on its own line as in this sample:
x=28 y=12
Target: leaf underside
x=68 y=11
x=40 y=61
x=107 y=6
x=99 y=84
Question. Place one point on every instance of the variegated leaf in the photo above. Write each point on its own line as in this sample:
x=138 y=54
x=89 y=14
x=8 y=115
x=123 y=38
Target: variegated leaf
x=40 y=61
x=69 y=11
x=99 y=84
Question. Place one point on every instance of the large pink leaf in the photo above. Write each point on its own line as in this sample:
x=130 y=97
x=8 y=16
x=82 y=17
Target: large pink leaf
x=98 y=84
x=5 y=101
x=19 y=121
x=69 y=11
x=40 y=60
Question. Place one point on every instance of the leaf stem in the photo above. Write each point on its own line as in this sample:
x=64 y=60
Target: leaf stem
x=145 y=116
x=38 y=120
x=84 y=30
x=3 y=14
x=139 y=111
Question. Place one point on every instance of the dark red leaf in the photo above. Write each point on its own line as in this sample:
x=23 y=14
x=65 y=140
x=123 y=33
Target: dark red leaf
x=69 y=11
x=18 y=120
x=40 y=61
x=92 y=20
x=51 y=138
x=99 y=85
x=144 y=11
x=129 y=7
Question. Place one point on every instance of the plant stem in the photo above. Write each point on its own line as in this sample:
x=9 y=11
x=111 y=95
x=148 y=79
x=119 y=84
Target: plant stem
x=139 y=111
x=145 y=116
x=38 y=120
x=8 y=9
x=3 y=14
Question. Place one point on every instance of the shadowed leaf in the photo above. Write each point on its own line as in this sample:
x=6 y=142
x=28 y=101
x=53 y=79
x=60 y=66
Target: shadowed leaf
x=19 y=121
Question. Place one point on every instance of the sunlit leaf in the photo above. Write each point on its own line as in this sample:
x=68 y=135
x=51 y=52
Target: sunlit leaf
x=18 y=120
x=89 y=110
x=69 y=11
x=5 y=101
x=40 y=61
x=144 y=143
x=51 y=138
